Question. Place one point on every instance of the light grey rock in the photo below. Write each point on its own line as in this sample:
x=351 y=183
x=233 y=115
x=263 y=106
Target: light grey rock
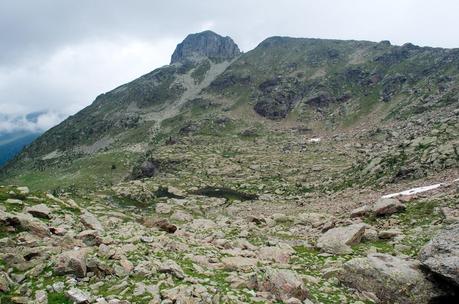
x=239 y=263
x=91 y=221
x=283 y=284
x=386 y=206
x=338 y=240
x=90 y=237
x=78 y=296
x=391 y=279
x=4 y=282
x=72 y=262
x=441 y=254
x=41 y=297
x=361 y=211
x=40 y=210
x=173 y=268
x=163 y=208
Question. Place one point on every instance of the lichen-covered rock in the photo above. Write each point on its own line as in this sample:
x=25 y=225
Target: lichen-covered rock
x=391 y=279
x=441 y=254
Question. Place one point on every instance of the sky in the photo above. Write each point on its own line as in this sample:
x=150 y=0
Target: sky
x=56 y=56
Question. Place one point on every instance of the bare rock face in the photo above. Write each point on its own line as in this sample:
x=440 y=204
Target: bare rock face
x=206 y=44
x=283 y=284
x=441 y=255
x=391 y=279
x=338 y=240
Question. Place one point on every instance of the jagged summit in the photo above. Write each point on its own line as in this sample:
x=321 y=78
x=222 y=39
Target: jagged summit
x=208 y=44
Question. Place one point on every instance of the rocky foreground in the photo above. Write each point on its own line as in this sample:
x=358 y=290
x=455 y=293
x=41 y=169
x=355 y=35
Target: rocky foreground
x=190 y=248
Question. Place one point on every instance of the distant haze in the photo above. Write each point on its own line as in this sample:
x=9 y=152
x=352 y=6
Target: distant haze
x=57 y=56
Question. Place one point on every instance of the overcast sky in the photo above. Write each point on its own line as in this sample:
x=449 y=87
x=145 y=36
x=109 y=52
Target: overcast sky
x=57 y=56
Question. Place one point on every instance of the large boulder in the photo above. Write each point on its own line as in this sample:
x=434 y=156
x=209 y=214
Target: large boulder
x=391 y=279
x=283 y=284
x=441 y=254
x=387 y=206
x=338 y=240
x=72 y=262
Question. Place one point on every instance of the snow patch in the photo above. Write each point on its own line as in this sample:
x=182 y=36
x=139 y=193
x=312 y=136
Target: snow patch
x=417 y=190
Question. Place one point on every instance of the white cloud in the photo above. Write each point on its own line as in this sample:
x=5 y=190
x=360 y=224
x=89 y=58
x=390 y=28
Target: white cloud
x=42 y=122
x=72 y=77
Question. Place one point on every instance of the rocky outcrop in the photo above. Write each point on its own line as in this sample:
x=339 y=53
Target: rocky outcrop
x=206 y=44
x=441 y=255
x=391 y=279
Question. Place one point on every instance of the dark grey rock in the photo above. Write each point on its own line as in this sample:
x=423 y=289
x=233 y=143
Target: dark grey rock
x=206 y=44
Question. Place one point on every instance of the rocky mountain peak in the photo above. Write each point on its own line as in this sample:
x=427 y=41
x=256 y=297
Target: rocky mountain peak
x=205 y=44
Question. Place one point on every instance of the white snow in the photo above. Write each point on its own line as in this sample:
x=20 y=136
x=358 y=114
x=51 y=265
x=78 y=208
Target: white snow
x=315 y=140
x=417 y=190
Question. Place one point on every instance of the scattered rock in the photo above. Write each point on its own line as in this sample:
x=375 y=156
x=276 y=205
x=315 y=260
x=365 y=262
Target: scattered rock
x=72 y=262
x=278 y=254
x=282 y=283
x=239 y=263
x=387 y=206
x=78 y=296
x=361 y=211
x=91 y=221
x=4 y=282
x=389 y=234
x=173 y=268
x=338 y=240
x=40 y=210
x=164 y=225
x=90 y=237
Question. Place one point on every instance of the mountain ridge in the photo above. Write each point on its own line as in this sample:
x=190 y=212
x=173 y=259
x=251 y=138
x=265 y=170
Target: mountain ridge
x=319 y=84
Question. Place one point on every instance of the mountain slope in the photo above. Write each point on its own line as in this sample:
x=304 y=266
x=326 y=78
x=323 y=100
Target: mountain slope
x=328 y=86
x=11 y=144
